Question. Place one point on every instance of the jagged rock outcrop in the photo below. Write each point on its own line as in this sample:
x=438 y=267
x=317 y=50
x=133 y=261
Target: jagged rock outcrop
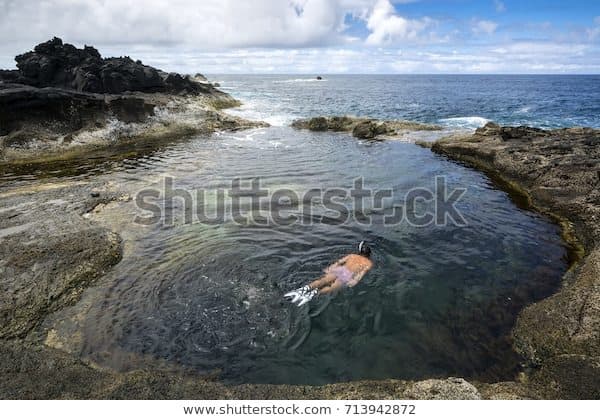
x=60 y=65
x=60 y=91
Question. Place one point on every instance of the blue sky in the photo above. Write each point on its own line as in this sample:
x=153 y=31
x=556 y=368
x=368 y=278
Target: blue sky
x=319 y=36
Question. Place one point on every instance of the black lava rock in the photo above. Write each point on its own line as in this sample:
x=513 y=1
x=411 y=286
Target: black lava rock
x=59 y=65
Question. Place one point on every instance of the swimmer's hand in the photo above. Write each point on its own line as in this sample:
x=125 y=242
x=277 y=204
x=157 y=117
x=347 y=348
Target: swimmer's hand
x=301 y=296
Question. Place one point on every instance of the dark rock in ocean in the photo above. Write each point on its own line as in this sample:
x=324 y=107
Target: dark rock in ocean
x=340 y=123
x=56 y=64
x=11 y=76
x=319 y=78
x=60 y=90
x=129 y=108
x=178 y=83
x=369 y=130
x=318 y=124
x=363 y=128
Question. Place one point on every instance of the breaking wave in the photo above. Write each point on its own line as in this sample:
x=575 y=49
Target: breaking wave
x=464 y=122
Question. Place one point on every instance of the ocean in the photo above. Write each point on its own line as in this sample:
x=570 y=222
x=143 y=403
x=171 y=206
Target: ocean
x=461 y=101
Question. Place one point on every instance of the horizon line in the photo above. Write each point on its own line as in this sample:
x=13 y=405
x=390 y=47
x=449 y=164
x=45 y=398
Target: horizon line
x=400 y=74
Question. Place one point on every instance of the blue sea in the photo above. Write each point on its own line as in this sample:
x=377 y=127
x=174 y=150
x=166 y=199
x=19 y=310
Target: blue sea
x=464 y=101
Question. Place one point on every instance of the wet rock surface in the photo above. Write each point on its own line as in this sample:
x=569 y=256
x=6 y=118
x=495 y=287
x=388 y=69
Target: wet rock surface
x=559 y=337
x=49 y=252
x=362 y=128
x=26 y=106
x=59 y=375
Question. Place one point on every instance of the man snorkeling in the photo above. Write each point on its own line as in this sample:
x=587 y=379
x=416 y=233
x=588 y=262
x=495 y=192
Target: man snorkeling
x=346 y=272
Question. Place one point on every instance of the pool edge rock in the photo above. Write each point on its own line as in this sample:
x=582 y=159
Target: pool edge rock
x=59 y=375
x=559 y=170
x=49 y=252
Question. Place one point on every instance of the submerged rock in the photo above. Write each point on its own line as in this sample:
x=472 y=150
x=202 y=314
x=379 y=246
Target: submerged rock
x=32 y=371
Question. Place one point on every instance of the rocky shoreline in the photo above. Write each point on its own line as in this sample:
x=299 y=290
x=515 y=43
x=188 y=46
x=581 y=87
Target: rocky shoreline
x=68 y=100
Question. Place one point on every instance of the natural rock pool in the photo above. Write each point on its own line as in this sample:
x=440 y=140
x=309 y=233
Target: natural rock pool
x=440 y=301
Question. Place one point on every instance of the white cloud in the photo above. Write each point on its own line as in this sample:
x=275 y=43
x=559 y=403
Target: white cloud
x=520 y=57
x=388 y=27
x=484 y=27
x=500 y=6
x=206 y=23
x=290 y=36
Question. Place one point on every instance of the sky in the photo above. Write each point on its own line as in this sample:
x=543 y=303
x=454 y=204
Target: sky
x=319 y=36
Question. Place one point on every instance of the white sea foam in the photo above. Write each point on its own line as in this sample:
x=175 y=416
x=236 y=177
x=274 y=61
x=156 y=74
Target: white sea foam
x=111 y=132
x=464 y=122
x=262 y=110
x=524 y=110
x=179 y=112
